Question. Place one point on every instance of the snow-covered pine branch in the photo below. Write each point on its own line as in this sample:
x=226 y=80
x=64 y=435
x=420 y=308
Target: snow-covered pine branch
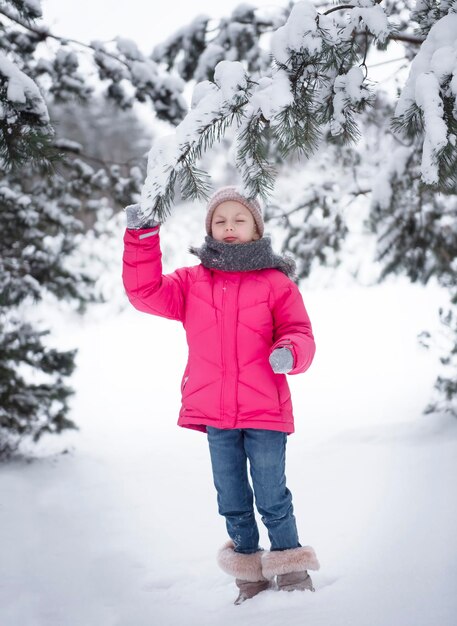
x=445 y=396
x=24 y=9
x=428 y=101
x=317 y=236
x=313 y=75
x=215 y=106
x=27 y=78
x=24 y=121
x=21 y=93
x=132 y=76
x=195 y=50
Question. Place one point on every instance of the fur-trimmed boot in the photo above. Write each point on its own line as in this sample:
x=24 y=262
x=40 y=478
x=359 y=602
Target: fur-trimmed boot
x=290 y=568
x=247 y=569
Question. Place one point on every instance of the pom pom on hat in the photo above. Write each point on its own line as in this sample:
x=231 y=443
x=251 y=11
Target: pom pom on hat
x=232 y=193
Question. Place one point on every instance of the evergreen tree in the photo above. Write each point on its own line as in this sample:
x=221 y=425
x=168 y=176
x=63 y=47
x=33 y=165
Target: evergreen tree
x=51 y=190
x=36 y=235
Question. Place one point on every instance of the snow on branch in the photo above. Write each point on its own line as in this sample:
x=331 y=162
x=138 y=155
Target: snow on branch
x=373 y=17
x=129 y=76
x=314 y=78
x=214 y=107
x=27 y=9
x=430 y=90
x=22 y=92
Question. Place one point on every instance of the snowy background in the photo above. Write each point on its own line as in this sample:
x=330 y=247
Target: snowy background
x=123 y=529
x=117 y=525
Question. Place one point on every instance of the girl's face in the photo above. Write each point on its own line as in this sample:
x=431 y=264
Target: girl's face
x=232 y=222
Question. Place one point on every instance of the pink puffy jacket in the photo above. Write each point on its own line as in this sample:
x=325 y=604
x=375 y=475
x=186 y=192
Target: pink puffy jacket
x=233 y=321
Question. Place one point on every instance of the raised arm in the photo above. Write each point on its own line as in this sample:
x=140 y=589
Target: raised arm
x=147 y=288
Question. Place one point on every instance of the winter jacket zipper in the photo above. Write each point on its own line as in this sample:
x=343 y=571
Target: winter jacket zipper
x=222 y=404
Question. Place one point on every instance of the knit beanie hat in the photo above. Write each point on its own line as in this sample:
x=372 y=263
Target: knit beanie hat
x=232 y=193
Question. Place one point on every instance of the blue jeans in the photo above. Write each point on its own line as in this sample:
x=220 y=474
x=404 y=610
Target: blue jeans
x=266 y=451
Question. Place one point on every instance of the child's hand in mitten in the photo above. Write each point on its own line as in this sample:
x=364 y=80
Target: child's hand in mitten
x=281 y=360
x=136 y=221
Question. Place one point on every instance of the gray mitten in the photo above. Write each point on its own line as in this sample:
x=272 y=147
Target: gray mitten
x=135 y=220
x=281 y=360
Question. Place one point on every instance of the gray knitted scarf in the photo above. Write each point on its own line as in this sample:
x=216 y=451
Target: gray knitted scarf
x=242 y=257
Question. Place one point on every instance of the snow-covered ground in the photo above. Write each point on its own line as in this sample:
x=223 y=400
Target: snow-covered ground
x=123 y=529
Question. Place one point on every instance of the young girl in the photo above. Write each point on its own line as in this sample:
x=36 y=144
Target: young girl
x=246 y=327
